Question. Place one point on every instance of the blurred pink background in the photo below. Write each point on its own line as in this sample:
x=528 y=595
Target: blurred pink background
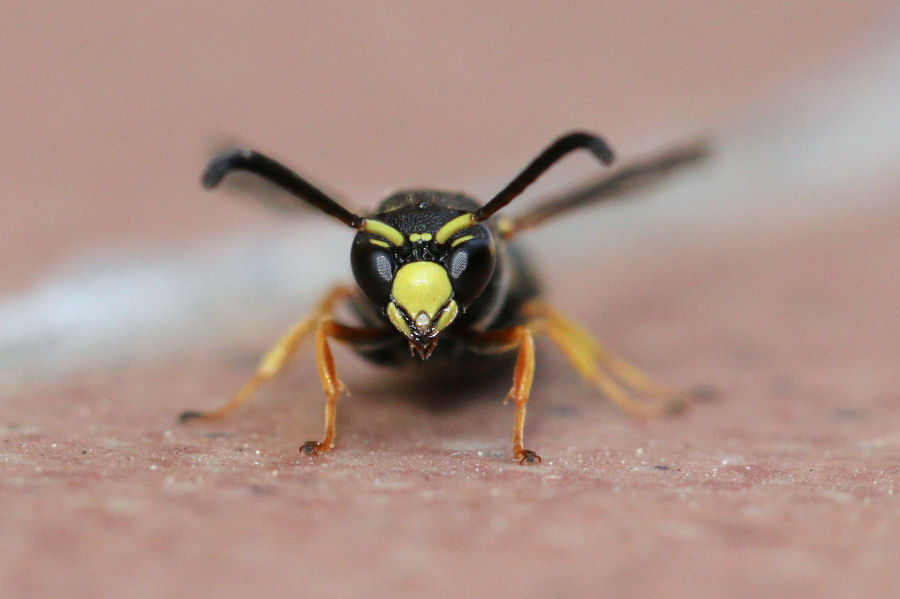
x=109 y=110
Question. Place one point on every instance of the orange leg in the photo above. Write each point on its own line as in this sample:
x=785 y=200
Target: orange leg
x=523 y=375
x=328 y=373
x=278 y=356
x=621 y=382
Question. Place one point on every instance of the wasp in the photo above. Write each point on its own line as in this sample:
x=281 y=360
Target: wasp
x=440 y=281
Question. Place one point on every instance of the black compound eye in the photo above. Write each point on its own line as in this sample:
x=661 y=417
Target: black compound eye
x=470 y=266
x=373 y=268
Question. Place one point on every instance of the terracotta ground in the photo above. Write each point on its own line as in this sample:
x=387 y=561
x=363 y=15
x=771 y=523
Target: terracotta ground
x=786 y=486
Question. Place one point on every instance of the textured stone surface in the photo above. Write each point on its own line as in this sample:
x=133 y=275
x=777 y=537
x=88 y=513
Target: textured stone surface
x=786 y=486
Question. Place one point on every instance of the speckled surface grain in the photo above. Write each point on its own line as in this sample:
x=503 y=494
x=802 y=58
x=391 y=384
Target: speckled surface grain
x=786 y=486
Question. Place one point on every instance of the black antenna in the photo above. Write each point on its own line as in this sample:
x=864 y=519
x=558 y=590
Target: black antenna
x=626 y=179
x=280 y=175
x=577 y=140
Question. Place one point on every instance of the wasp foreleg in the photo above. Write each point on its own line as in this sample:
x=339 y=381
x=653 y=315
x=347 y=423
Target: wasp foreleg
x=320 y=322
x=276 y=358
x=504 y=340
x=355 y=336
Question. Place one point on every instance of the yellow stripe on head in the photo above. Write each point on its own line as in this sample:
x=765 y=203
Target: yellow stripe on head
x=454 y=226
x=377 y=227
x=397 y=320
x=462 y=239
x=447 y=316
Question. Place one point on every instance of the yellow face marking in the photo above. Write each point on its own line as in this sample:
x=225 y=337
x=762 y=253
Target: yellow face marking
x=462 y=239
x=379 y=228
x=379 y=243
x=414 y=237
x=457 y=224
x=397 y=319
x=447 y=316
x=420 y=300
x=421 y=287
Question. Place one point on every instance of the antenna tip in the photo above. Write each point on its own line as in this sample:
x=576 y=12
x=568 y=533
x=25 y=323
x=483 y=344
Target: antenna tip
x=602 y=151
x=219 y=166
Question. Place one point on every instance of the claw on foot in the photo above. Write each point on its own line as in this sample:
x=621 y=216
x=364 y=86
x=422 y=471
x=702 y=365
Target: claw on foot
x=310 y=448
x=526 y=456
x=674 y=406
x=680 y=403
x=189 y=415
x=703 y=393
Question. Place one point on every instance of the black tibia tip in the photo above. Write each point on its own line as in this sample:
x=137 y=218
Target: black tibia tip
x=529 y=457
x=189 y=415
x=310 y=448
x=681 y=402
x=675 y=406
x=704 y=393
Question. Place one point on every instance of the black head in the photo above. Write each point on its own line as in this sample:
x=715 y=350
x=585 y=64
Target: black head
x=422 y=262
x=424 y=256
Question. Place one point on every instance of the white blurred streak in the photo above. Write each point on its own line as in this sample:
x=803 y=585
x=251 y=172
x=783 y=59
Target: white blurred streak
x=144 y=305
x=810 y=156
x=821 y=146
